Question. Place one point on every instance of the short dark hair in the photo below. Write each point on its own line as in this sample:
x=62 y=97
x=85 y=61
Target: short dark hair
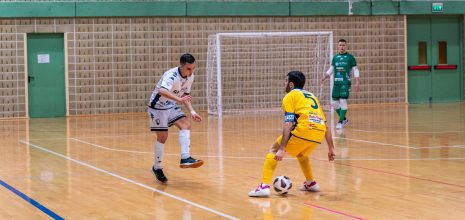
x=296 y=77
x=187 y=58
x=342 y=40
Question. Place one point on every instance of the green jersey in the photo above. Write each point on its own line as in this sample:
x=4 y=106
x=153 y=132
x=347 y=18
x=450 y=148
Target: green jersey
x=343 y=64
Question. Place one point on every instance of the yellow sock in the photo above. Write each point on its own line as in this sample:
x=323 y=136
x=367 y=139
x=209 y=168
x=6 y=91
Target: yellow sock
x=304 y=163
x=268 y=168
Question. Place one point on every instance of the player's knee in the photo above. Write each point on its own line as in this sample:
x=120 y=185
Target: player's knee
x=183 y=124
x=162 y=137
x=270 y=155
x=343 y=104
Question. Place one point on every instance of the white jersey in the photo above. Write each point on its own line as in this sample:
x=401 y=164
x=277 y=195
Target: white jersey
x=173 y=82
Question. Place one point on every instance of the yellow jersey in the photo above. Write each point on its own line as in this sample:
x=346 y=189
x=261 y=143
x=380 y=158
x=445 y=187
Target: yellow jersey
x=305 y=111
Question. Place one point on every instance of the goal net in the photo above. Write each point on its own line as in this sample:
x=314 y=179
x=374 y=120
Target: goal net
x=246 y=72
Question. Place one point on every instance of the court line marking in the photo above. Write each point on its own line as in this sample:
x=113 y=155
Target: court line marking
x=403 y=175
x=333 y=211
x=401 y=146
x=410 y=132
x=31 y=201
x=399 y=159
x=334 y=137
x=241 y=157
x=130 y=181
x=374 y=170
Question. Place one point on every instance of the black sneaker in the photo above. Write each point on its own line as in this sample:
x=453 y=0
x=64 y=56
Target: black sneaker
x=190 y=163
x=159 y=175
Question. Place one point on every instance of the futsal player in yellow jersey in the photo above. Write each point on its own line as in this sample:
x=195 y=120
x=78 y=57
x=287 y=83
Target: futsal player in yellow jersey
x=303 y=129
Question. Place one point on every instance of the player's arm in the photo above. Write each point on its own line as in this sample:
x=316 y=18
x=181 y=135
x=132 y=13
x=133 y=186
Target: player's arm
x=196 y=117
x=287 y=127
x=329 y=141
x=167 y=94
x=328 y=73
x=356 y=73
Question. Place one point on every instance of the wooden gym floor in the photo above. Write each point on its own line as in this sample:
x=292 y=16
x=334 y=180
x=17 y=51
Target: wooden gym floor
x=393 y=162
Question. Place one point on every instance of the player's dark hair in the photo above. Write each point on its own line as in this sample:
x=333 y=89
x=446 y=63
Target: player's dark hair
x=296 y=77
x=187 y=58
x=342 y=40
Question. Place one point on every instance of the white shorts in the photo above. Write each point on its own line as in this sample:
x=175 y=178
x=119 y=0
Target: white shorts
x=161 y=119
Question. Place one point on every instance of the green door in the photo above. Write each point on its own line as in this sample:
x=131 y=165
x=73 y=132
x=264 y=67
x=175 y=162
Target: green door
x=434 y=56
x=46 y=75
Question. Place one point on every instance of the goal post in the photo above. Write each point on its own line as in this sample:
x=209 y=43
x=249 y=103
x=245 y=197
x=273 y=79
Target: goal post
x=246 y=71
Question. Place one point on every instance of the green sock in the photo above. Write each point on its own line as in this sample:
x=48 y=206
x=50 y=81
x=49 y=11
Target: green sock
x=338 y=111
x=342 y=115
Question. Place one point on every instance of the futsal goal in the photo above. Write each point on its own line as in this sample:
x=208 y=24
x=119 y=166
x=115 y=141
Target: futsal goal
x=246 y=72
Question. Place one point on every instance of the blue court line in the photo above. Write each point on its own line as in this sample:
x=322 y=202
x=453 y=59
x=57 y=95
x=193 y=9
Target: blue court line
x=31 y=201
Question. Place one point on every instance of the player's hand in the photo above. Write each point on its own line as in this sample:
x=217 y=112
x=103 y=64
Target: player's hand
x=331 y=155
x=324 y=78
x=279 y=155
x=196 y=117
x=186 y=98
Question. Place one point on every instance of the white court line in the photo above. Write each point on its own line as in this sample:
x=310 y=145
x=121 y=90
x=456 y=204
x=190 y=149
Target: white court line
x=146 y=152
x=410 y=132
x=401 y=159
x=129 y=180
x=237 y=157
x=402 y=146
x=379 y=143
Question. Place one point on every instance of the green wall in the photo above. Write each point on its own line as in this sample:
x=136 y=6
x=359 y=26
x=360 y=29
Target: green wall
x=221 y=8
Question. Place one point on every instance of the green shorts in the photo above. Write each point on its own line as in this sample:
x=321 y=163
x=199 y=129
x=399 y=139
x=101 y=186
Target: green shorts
x=341 y=91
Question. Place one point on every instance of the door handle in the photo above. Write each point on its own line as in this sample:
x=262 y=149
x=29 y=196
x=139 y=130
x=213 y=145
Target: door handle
x=445 y=67
x=30 y=78
x=420 y=67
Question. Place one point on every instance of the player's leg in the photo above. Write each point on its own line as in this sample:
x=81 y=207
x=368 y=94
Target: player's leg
x=269 y=166
x=336 y=103
x=310 y=184
x=159 y=124
x=345 y=92
x=180 y=120
x=300 y=149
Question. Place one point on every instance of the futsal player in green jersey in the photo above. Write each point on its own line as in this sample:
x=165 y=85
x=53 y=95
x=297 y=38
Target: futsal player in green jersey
x=342 y=65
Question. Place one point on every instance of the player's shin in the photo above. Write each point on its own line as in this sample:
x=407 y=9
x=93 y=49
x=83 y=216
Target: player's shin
x=304 y=163
x=185 y=142
x=269 y=168
x=158 y=149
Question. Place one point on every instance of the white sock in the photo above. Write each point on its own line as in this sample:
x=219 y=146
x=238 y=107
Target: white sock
x=185 y=141
x=158 y=149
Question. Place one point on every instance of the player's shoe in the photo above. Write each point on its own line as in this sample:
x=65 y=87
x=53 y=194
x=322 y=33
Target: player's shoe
x=311 y=186
x=344 y=122
x=159 y=175
x=262 y=190
x=339 y=125
x=190 y=163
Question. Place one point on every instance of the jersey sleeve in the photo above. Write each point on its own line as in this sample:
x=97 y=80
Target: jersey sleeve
x=288 y=107
x=168 y=81
x=353 y=62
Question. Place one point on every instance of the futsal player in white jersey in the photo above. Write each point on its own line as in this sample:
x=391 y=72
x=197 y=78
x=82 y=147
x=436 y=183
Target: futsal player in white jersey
x=174 y=86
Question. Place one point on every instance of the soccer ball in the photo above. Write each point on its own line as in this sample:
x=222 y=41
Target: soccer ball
x=282 y=184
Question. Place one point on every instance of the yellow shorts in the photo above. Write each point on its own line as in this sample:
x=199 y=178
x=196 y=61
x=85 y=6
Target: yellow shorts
x=296 y=146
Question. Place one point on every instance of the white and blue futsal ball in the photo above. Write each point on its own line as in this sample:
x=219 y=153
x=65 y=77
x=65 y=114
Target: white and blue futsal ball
x=282 y=184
